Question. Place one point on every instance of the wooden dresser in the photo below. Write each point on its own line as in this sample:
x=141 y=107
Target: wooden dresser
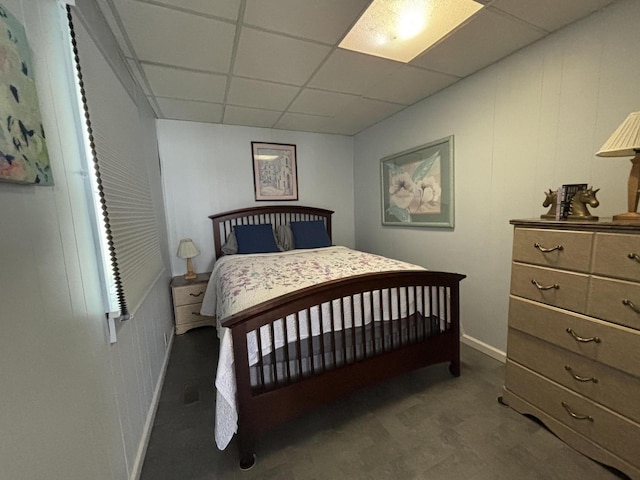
x=187 y=299
x=573 y=352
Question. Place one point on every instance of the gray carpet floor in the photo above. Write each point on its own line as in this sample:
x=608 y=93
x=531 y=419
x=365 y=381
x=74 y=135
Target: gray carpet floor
x=423 y=425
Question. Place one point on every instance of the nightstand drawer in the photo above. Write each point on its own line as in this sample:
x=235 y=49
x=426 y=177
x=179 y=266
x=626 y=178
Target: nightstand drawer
x=555 y=248
x=618 y=346
x=617 y=255
x=189 y=313
x=615 y=300
x=553 y=287
x=188 y=294
x=610 y=387
x=602 y=426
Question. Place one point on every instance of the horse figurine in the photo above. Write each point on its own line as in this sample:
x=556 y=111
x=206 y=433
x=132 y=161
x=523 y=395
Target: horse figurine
x=578 y=208
x=552 y=201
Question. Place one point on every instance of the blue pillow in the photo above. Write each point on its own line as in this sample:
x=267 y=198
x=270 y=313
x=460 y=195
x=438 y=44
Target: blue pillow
x=255 y=238
x=311 y=234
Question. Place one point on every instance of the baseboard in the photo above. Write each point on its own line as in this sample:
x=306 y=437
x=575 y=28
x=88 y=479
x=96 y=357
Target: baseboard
x=484 y=348
x=146 y=434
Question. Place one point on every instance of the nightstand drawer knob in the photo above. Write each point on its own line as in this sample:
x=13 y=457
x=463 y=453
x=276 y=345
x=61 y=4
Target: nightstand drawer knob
x=579 y=377
x=634 y=256
x=555 y=286
x=582 y=339
x=196 y=294
x=547 y=250
x=575 y=415
x=631 y=305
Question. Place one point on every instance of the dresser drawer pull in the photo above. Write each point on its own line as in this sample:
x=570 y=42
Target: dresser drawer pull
x=547 y=250
x=195 y=294
x=578 y=377
x=631 y=305
x=582 y=339
x=634 y=256
x=575 y=415
x=545 y=287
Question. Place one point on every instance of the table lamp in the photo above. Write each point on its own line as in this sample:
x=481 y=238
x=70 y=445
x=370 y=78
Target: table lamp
x=625 y=142
x=188 y=250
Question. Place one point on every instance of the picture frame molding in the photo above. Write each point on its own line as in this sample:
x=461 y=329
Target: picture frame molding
x=269 y=182
x=400 y=209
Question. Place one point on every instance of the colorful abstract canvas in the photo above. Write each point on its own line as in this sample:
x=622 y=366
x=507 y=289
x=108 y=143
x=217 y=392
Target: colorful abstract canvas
x=23 y=151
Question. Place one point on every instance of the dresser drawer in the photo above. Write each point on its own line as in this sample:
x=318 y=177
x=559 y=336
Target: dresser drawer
x=189 y=314
x=610 y=387
x=619 y=347
x=606 y=428
x=615 y=300
x=617 y=255
x=554 y=287
x=567 y=250
x=188 y=294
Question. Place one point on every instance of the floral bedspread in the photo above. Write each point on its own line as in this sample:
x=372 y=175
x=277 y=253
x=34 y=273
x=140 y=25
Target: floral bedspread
x=241 y=281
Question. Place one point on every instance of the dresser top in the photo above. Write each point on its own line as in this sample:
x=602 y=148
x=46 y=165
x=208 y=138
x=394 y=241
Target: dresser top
x=603 y=224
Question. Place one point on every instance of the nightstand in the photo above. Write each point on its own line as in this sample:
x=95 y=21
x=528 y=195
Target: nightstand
x=187 y=298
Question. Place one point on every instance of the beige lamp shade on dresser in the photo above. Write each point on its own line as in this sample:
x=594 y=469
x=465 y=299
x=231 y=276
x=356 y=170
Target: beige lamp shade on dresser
x=188 y=250
x=625 y=142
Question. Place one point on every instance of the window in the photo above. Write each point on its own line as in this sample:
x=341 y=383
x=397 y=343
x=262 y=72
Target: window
x=120 y=145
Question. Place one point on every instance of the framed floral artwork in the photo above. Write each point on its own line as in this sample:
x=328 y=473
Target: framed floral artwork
x=417 y=186
x=275 y=171
x=23 y=150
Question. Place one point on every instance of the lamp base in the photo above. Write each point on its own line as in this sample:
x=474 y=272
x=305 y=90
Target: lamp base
x=190 y=276
x=627 y=217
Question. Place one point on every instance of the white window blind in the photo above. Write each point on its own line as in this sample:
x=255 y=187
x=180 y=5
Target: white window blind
x=120 y=147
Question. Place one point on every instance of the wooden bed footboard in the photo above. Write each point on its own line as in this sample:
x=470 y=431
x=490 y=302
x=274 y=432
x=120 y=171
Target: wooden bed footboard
x=319 y=343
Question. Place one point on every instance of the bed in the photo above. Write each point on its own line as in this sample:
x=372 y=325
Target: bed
x=320 y=322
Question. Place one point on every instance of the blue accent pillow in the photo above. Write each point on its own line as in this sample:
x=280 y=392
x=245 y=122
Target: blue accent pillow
x=255 y=238
x=311 y=234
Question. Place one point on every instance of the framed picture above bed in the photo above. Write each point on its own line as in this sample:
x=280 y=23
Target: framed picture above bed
x=417 y=186
x=275 y=171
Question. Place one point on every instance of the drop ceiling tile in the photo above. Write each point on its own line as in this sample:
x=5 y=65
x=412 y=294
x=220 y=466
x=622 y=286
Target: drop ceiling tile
x=267 y=56
x=188 y=110
x=320 y=102
x=367 y=111
x=408 y=85
x=550 y=14
x=137 y=75
x=252 y=117
x=219 y=8
x=185 y=84
x=475 y=44
x=167 y=36
x=327 y=21
x=305 y=123
x=259 y=94
x=350 y=72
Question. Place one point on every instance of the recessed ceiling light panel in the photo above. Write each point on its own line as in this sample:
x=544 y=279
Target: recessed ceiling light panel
x=402 y=29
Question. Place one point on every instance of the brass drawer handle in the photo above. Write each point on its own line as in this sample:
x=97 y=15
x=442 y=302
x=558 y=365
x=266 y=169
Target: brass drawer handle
x=545 y=287
x=575 y=415
x=631 y=305
x=634 y=256
x=195 y=294
x=578 y=377
x=547 y=250
x=582 y=339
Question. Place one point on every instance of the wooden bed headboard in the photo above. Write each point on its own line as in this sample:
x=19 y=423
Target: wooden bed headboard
x=224 y=222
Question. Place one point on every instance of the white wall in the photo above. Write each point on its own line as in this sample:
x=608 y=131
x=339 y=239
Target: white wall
x=208 y=169
x=526 y=124
x=73 y=407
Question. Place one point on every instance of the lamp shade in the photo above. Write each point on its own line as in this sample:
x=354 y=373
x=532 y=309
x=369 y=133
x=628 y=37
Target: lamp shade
x=625 y=141
x=187 y=249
